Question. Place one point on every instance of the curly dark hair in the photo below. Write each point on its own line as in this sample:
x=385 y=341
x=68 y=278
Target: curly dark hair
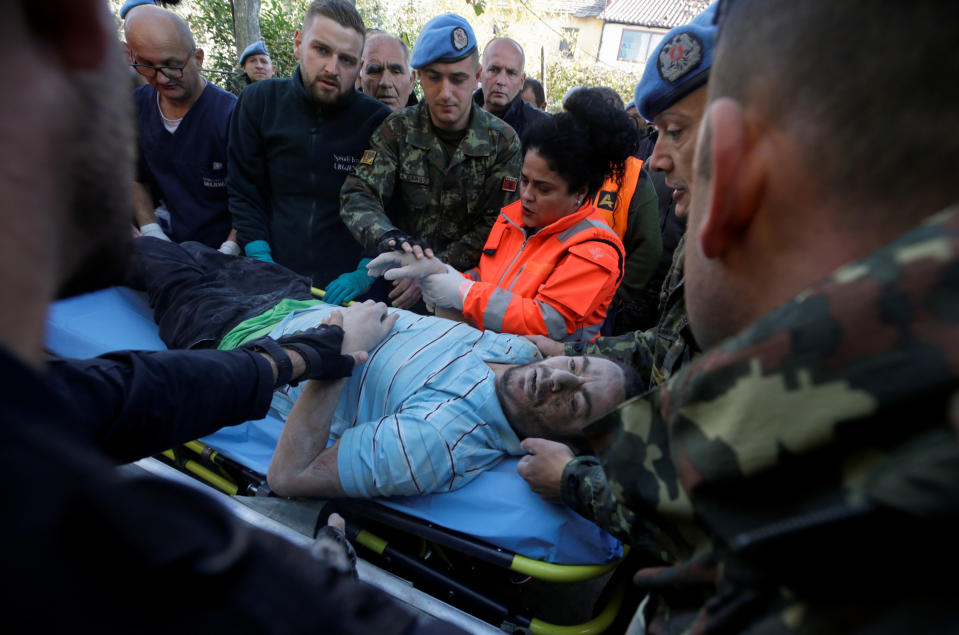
x=586 y=144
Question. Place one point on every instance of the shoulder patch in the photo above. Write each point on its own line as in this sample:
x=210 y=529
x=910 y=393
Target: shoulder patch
x=607 y=200
x=510 y=183
x=369 y=156
x=681 y=55
x=596 y=253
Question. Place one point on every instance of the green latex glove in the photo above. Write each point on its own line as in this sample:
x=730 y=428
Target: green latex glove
x=259 y=250
x=348 y=285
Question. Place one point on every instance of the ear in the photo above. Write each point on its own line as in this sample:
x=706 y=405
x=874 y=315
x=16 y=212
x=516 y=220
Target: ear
x=297 y=41
x=200 y=56
x=738 y=169
x=581 y=193
x=76 y=29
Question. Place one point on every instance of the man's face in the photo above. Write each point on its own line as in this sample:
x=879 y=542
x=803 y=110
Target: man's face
x=678 y=126
x=329 y=56
x=554 y=398
x=258 y=67
x=153 y=49
x=386 y=73
x=503 y=75
x=448 y=90
x=529 y=96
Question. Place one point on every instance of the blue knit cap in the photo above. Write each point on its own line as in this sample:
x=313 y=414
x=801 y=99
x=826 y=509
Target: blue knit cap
x=129 y=4
x=446 y=38
x=679 y=65
x=257 y=48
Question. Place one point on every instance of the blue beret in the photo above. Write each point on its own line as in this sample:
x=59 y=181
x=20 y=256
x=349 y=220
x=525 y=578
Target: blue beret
x=679 y=65
x=129 y=4
x=257 y=48
x=446 y=38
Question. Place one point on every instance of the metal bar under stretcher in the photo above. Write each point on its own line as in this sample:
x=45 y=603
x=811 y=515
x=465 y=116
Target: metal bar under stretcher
x=398 y=588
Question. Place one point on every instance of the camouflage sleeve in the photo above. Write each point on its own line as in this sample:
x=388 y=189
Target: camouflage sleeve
x=464 y=253
x=643 y=241
x=585 y=489
x=636 y=349
x=363 y=196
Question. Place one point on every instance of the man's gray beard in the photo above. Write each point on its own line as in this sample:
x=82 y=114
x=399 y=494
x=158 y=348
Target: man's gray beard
x=98 y=236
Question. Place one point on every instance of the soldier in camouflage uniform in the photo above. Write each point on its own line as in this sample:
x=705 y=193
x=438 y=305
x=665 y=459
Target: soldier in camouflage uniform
x=803 y=474
x=436 y=174
x=676 y=108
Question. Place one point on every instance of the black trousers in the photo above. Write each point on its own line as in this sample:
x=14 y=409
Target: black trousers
x=199 y=294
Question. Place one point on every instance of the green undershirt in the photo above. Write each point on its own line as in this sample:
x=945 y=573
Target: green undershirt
x=262 y=324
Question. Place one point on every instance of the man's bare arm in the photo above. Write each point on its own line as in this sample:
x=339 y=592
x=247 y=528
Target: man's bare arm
x=302 y=464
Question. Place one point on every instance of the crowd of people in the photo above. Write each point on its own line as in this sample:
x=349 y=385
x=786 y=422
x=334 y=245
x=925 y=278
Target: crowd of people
x=719 y=321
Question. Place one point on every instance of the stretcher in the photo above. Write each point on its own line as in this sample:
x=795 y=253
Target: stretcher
x=492 y=531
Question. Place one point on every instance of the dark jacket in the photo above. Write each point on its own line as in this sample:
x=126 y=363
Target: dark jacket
x=288 y=160
x=118 y=553
x=519 y=114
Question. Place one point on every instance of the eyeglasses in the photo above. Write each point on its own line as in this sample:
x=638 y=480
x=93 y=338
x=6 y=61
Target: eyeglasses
x=170 y=72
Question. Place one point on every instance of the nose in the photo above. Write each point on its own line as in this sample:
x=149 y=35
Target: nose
x=526 y=192
x=660 y=160
x=561 y=380
x=446 y=90
x=332 y=65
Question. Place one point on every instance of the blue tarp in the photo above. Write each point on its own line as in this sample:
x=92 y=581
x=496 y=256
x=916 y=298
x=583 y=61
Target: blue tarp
x=497 y=507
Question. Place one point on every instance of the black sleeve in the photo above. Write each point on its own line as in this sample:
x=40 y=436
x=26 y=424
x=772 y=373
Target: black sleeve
x=135 y=404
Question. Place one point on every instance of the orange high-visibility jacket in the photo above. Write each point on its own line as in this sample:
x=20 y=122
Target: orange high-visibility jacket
x=557 y=282
x=612 y=200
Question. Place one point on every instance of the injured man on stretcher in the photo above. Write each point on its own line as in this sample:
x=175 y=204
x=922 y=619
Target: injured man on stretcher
x=434 y=404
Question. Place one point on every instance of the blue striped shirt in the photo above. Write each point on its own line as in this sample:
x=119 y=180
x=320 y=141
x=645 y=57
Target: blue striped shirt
x=421 y=415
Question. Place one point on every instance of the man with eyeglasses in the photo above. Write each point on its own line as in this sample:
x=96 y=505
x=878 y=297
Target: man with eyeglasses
x=182 y=121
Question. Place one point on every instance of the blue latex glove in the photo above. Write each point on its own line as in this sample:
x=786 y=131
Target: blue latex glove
x=259 y=250
x=348 y=285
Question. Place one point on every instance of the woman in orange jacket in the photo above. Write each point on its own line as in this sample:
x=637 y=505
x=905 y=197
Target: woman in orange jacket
x=551 y=264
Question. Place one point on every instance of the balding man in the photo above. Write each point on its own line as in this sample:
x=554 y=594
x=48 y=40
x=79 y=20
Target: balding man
x=502 y=82
x=182 y=120
x=386 y=73
x=803 y=474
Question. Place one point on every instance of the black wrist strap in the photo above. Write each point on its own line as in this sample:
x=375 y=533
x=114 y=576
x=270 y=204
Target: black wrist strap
x=284 y=367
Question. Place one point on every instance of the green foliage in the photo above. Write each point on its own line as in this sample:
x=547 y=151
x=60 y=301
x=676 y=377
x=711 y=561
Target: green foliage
x=561 y=75
x=212 y=26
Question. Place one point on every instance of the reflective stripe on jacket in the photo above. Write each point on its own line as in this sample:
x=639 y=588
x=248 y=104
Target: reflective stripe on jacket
x=557 y=282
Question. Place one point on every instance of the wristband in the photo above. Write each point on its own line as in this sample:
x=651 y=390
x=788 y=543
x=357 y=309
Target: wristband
x=284 y=367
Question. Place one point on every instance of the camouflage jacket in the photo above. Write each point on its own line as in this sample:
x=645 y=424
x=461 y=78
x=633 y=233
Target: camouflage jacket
x=405 y=181
x=656 y=354
x=807 y=470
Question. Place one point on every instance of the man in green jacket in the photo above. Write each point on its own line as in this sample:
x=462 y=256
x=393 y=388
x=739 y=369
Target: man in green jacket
x=293 y=141
x=436 y=175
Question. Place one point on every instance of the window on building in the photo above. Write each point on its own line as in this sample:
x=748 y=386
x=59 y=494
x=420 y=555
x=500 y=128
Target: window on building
x=567 y=46
x=637 y=46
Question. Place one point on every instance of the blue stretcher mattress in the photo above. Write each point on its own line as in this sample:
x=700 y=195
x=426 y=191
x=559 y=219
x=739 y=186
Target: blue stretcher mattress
x=497 y=507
